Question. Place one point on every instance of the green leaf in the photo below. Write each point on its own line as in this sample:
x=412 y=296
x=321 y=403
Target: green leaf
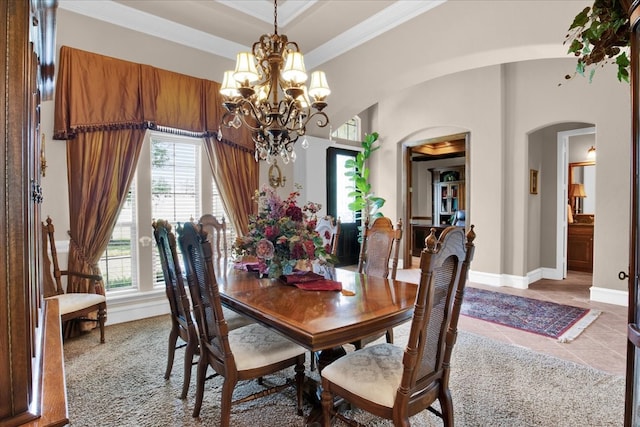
x=356 y=205
x=370 y=138
x=623 y=74
x=363 y=186
x=581 y=19
x=378 y=203
x=365 y=173
x=580 y=68
x=576 y=46
x=591 y=74
x=622 y=60
x=350 y=164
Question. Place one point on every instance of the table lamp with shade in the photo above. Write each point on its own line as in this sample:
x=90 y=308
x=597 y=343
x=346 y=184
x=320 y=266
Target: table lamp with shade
x=576 y=194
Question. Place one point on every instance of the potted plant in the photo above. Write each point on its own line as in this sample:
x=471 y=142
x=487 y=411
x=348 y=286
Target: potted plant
x=364 y=200
x=599 y=35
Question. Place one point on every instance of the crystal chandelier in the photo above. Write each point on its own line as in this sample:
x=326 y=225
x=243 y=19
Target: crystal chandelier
x=267 y=93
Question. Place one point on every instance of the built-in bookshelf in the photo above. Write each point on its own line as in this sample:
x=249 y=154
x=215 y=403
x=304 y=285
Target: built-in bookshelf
x=448 y=194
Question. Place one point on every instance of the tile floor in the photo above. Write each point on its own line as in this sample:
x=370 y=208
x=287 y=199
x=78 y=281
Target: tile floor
x=602 y=345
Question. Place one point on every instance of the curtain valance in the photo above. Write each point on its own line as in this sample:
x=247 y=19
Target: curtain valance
x=98 y=93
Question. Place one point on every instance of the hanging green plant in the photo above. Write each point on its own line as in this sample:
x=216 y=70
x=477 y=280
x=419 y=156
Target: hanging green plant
x=599 y=35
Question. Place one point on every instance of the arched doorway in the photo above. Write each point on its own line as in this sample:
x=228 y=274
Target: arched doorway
x=435 y=187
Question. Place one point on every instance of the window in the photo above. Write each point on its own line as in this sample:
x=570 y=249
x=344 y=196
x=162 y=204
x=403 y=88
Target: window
x=115 y=264
x=349 y=131
x=173 y=182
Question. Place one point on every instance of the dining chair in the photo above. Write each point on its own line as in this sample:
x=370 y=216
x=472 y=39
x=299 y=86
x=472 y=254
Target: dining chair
x=182 y=322
x=394 y=384
x=249 y=352
x=217 y=236
x=329 y=231
x=182 y=325
x=379 y=241
x=217 y=232
x=74 y=307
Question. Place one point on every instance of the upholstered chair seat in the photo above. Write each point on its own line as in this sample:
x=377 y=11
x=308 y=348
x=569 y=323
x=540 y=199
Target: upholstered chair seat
x=75 y=301
x=378 y=373
x=254 y=346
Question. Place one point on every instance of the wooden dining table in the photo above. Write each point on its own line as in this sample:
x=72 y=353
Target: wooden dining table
x=320 y=320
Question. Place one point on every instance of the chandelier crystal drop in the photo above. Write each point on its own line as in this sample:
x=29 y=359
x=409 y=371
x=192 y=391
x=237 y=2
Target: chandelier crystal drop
x=267 y=93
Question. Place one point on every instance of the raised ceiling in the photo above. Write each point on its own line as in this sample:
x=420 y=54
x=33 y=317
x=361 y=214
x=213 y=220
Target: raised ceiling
x=322 y=29
x=373 y=51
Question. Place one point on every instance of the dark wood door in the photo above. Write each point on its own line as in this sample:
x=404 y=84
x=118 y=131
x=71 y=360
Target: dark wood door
x=632 y=396
x=337 y=201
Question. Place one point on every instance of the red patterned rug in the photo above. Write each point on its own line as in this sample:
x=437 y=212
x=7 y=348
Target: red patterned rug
x=562 y=322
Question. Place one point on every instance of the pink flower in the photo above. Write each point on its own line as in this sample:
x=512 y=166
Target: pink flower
x=264 y=249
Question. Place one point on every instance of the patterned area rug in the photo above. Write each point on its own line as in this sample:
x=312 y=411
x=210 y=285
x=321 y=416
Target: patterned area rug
x=562 y=322
x=120 y=384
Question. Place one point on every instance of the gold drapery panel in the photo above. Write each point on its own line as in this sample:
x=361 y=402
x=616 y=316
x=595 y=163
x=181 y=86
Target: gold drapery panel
x=100 y=167
x=225 y=162
x=103 y=106
x=96 y=92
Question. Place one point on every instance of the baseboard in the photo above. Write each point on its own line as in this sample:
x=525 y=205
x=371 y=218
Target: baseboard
x=609 y=296
x=604 y=295
x=126 y=308
x=498 y=280
x=549 y=273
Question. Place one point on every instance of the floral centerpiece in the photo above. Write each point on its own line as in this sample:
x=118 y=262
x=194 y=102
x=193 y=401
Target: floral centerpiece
x=282 y=235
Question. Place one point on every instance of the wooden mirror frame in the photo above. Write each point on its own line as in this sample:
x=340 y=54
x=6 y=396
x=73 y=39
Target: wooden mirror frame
x=570 y=181
x=578 y=164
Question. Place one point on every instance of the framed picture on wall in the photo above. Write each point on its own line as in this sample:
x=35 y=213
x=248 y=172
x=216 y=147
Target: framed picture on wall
x=533 y=181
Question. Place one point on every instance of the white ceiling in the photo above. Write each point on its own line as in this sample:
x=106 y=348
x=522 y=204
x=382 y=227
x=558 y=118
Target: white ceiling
x=323 y=29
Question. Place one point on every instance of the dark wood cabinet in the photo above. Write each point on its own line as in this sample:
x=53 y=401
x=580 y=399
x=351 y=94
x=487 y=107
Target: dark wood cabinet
x=32 y=389
x=580 y=247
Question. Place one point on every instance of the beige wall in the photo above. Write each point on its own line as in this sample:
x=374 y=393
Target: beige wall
x=499 y=105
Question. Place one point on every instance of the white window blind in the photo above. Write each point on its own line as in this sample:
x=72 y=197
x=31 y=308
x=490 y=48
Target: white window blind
x=175 y=185
x=168 y=185
x=117 y=264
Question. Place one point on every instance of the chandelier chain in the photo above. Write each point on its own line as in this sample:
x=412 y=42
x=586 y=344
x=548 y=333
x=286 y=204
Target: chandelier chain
x=275 y=16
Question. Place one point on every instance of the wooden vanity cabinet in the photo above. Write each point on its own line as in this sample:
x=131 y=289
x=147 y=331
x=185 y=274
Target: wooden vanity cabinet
x=580 y=247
